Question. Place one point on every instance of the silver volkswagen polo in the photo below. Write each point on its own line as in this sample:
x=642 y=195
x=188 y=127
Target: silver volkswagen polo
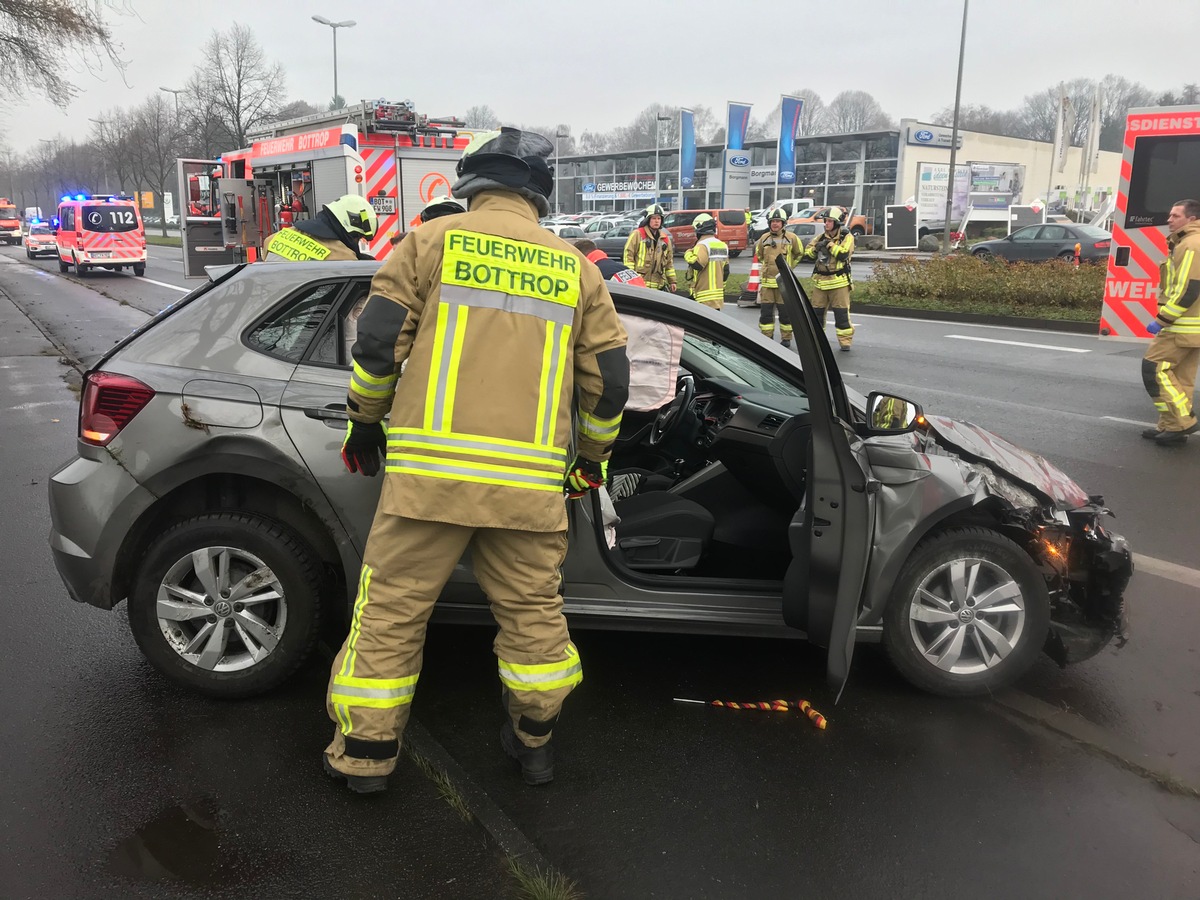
x=751 y=493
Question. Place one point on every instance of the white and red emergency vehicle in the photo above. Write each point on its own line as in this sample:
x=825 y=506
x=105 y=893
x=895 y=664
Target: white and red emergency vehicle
x=10 y=222
x=100 y=232
x=381 y=150
x=1160 y=166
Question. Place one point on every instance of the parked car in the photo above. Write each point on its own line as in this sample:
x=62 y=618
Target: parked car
x=792 y=207
x=731 y=228
x=599 y=226
x=1039 y=243
x=39 y=240
x=612 y=242
x=857 y=223
x=565 y=230
x=762 y=498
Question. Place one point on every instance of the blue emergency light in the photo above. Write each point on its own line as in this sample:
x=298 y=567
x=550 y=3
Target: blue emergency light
x=64 y=198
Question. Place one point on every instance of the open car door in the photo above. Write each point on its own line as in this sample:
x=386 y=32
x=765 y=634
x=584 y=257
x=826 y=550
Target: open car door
x=830 y=536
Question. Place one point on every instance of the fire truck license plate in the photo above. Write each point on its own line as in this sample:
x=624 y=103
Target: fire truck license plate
x=101 y=254
x=384 y=206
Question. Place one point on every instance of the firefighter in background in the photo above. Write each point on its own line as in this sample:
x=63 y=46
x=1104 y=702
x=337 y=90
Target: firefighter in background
x=708 y=263
x=649 y=252
x=1169 y=367
x=509 y=338
x=831 y=252
x=774 y=243
x=442 y=205
x=334 y=233
x=609 y=268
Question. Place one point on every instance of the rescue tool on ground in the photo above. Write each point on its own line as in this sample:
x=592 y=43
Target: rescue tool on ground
x=768 y=705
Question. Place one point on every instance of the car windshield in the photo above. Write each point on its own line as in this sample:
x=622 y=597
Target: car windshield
x=109 y=218
x=40 y=229
x=8 y=212
x=708 y=359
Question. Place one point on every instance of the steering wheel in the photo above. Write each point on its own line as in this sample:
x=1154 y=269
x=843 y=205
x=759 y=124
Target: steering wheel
x=673 y=414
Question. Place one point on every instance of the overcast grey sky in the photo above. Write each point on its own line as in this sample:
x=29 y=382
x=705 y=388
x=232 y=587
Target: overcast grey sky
x=595 y=65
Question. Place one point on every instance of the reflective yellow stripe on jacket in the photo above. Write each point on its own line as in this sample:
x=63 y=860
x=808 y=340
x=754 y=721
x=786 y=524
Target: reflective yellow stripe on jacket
x=482 y=271
x=1174 y=283
x=544 y=677
x=297 y=247
x=710 y=281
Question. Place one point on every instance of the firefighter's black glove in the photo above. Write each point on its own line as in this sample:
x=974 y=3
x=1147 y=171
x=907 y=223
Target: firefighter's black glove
x=364 y=447
x=586 y=475
x=843 y=232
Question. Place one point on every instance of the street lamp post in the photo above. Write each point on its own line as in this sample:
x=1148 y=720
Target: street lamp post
x=962 y=46
x=103 y=160
x=349 y=23
x=176 y=92
x=657 y=130
x=557 y=135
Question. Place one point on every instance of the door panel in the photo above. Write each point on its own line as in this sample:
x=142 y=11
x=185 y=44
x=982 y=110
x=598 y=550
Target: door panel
x=830 y=535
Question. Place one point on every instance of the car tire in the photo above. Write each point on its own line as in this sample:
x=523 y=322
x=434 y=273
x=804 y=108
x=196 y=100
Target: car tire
x=175 y=645
x=139 y=269
x=734 y=254
x=978 y=658
x=29 y=254
x=982 y=253
x=62 y=266
x=80 y=268
x=1067 y=256
x=858 y=231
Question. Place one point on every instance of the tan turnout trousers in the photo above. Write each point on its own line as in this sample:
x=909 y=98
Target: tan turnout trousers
x=1169 y=372
x=406 y=564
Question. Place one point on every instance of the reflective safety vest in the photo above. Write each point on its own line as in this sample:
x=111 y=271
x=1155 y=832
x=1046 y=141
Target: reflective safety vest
x=708 y=265
x=769 y=247
x=1179 y=286
x=652 y=258
x=295 y=246
x=832 y=261
x=502 y=326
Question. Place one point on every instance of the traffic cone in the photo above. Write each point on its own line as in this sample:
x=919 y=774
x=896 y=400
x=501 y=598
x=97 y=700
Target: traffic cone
x=1077 y=256
x=749 y=297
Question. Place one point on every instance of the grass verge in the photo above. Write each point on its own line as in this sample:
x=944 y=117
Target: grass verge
x=534 y=884
x=445 y=786
x=161 y=241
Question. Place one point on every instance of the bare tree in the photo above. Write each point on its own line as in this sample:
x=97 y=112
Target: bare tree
x=852 y=111
x=35 y=38
x=155 y=143
x=237 y=82
x=1039 y=112
x=1119 y=95
x=978 y=117
x=482 y=118
x=812 y=115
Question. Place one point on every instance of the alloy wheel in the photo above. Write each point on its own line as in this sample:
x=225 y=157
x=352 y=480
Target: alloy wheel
x=221 y=609
x=967 y=616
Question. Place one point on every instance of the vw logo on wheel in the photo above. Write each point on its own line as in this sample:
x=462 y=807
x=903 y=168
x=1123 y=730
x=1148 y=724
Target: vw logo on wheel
x=222 y=608
x=924 y=136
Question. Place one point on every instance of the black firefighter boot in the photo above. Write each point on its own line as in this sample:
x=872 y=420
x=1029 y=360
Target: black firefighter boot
x=360 y=784
x=537 y=763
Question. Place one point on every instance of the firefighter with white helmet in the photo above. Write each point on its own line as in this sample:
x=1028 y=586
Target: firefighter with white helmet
x=333 y=233
x=442 y=205
x=776 y=242
x=708 y=263
x=649 y=251
x=514 y=359
x=831 y=251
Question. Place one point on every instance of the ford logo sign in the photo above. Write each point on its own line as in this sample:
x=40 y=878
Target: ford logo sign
x=589 y=188
x=739 y=161
x=924 y=136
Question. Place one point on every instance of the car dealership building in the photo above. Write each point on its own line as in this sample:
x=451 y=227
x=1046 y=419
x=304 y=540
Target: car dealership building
x=865 y=170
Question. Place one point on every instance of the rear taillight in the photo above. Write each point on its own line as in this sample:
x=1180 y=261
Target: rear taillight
x=109 y=403
x=1102 y=245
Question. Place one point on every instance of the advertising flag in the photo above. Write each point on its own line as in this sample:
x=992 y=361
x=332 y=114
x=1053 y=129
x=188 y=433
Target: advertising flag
x=1093 y=141
x=789 y=120
x=687 y=148
x=1064 y=125
x=739 y=121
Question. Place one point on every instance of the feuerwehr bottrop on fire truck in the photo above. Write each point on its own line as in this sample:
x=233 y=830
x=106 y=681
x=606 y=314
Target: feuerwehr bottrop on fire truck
x=383 y=150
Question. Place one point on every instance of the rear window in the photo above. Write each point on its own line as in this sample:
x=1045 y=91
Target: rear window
x=109 y=218
x=1092 y=231
x=731 y=217
x=675 y=219
x=1164 y=169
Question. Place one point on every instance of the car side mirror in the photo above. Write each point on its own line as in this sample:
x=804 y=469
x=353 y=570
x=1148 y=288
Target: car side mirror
x=889 y=414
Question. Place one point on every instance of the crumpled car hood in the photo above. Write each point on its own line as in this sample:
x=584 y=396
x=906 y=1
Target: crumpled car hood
x=1027 y=468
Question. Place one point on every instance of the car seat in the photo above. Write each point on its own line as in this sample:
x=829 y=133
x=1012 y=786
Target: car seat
x=659 y=531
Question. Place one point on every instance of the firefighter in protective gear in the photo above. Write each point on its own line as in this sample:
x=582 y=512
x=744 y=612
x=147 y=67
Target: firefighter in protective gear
x=443 y=205
x=776 y=242
x=708 y=263
x=333 y=233
x=649 y=251
x=1169 y=367
x=509 y=336
x=831 y=252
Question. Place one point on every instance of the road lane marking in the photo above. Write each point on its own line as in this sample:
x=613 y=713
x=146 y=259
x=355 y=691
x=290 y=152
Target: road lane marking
x=159 y=283
x=1129 y=421
x=1168 y=570
x=967 y=337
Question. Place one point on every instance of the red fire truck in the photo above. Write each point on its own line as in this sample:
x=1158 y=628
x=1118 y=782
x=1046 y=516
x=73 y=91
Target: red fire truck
x=382 y=150
x=10 y=222
x=1160 y=166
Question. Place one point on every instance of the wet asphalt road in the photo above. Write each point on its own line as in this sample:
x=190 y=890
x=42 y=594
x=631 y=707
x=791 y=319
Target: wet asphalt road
x=120 y=785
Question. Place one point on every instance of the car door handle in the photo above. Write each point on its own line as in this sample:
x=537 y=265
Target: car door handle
x=332 y=415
